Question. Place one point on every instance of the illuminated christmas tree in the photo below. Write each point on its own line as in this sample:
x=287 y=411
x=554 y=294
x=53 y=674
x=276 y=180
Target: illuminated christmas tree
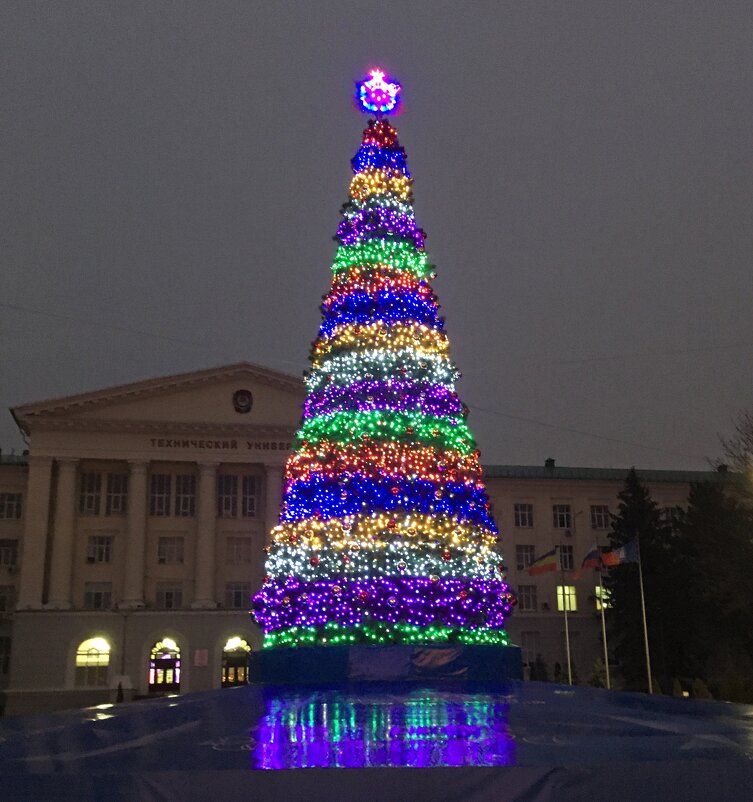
x=385 y=534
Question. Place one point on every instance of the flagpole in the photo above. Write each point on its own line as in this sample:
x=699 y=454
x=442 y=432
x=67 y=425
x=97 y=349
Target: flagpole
x=565 y=603
x=643 y=610
x=604 y=627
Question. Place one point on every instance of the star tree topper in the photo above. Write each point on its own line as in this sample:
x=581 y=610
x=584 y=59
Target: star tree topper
x=377 y=95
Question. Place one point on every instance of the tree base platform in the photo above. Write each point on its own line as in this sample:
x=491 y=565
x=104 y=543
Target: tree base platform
x=327 y=664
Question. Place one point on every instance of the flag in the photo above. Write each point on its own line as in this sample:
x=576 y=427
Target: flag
x=591 y=560
x=624 y=554
x=547 y=562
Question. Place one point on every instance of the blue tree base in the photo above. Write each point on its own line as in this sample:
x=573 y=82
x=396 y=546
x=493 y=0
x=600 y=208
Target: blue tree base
x=326 y=664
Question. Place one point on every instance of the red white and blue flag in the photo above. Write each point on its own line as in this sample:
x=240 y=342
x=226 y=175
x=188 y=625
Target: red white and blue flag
x=591 y=560
x=624 y=554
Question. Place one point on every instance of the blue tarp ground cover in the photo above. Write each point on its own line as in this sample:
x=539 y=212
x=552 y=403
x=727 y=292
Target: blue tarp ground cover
x=391 y=741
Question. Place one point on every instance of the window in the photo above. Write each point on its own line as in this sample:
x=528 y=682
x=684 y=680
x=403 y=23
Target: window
x=169 y=595
x=90 y=489
x=10 y=505
x=527 y=599
x=8 y=552
x=170 y=551
x=561 y=515
x=4 y=655
x=238 y=551
x=159 y=496
x=235 y=662
x=599 y=516
x=99 y=549
x=566 y=558
x=185 y=495
x=7 y=598
x=248 y=503
x=97 y=595
x=92 y=660
x=164 y=667
x=670 y=516
x=523 y=515
x=530 y=643
x=117 y=494
x=227 y=496
x=237 y=595
x=566 y=598
x=602 y=595
x=524 y=556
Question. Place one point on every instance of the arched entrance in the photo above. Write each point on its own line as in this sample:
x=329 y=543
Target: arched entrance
x=235 y=662
x=164 y=667
x=92 y=661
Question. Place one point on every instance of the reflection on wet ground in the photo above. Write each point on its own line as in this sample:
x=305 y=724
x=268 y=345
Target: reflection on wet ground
x=356 y=728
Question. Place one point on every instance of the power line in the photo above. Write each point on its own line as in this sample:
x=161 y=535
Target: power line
x=582 y=433
x=113 y=326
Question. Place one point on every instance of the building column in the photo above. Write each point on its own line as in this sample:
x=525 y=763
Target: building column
x=37 y=503
x=205 y=537
x=63 y=530
x=133 y=587
x=272 y=498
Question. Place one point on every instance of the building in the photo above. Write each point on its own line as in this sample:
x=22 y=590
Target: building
x=133 y=534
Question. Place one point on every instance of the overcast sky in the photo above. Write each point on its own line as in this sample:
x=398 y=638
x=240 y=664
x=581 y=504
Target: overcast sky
x=171 y=175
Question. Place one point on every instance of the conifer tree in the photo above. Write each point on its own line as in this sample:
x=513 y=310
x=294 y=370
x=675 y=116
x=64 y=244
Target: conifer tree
x=718 y=531
x=665 y=576
x=385 y=532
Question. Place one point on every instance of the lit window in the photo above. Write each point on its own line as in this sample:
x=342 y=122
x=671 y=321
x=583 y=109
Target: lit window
x=524 y=556
x=92 y=661
x=250 y=491
x=527 y=598
x=185 y=495
x=164 y=667
x=235 y=662
x=227 y=496
x=90 y=490
x=99 y=549
x=159 y=496
x=8 y=552
x=7 y=598
x=599 y=516
x=10 y=505
x=169 y=595
x=238 y=551
x=566 y=598
x=116 y=502
x=170 y=551
x=561 y=516
x=237 y=595
x=566 y=557
x=97 y=595
x=602 y=595
x=523 y=515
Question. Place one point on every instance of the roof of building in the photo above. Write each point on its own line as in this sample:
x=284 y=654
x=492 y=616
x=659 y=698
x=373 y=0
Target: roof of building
x=597 y=474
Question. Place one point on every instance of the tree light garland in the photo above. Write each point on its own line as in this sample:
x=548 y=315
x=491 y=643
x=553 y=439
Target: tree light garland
x=385 y=533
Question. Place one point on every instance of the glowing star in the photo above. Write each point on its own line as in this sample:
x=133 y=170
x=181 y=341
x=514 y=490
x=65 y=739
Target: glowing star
x=377 y=95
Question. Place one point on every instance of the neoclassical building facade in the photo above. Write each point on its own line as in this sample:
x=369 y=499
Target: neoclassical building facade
x=132 y=536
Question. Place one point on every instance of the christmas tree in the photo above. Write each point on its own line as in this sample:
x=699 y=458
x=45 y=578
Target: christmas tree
x=385 y=533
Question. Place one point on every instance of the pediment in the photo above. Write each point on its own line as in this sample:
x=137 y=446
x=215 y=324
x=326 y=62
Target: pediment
x=182 y=401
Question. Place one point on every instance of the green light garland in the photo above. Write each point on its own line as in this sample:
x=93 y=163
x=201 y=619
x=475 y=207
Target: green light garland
x=398 y=254
x=335 y=634
x=414 y=427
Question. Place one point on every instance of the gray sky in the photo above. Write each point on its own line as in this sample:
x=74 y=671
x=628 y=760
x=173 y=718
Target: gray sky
x=172 y=174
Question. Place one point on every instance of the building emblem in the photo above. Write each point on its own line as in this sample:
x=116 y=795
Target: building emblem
x=243 y=401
